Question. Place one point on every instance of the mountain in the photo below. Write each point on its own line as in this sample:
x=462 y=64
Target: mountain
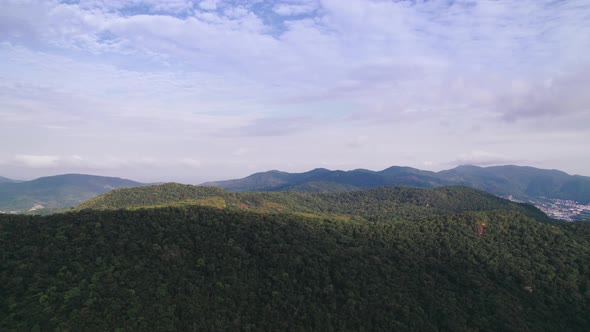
x=321 y=187
x=522 y=181
x=325 y=179
x=200 y=268
x=377 y=204
x=6 y=180
x=557 y=193
x=52 y=193
x=271 y=180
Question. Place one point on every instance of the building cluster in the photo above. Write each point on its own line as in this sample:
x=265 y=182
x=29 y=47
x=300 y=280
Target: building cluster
x=562 y=209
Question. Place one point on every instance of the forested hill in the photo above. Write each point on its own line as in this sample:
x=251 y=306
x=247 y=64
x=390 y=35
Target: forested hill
x=198 y=268
x=53 y=193
x=385 y=203
x=518 y=181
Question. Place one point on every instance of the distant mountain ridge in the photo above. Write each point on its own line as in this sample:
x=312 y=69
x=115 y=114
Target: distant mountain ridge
x=522 y=182
x=7 y=180
x=53 y=193
x=356 y=179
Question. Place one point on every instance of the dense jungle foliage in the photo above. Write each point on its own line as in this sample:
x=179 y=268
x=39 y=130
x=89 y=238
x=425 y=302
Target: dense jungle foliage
x=199 y=268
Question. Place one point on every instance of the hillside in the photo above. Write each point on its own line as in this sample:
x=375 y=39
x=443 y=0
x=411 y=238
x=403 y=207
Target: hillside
x=321 y=187
x=52 y=193
x=202 y=268
x=523 y=183
x=384 y=203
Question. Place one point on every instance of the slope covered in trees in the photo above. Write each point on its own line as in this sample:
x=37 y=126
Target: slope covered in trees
x=205 y=268
x=385 y=203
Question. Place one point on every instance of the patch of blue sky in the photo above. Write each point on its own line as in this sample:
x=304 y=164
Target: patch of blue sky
x=266 y=11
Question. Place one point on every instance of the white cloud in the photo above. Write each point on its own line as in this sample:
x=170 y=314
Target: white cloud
x=484 y=158
x=289 y=9
x=103 y=163
x=239 y=152
x=561 y=95
x=170 y=79
x=189 y=162
x=358 y=142
x=45 y=161
x=209 y=4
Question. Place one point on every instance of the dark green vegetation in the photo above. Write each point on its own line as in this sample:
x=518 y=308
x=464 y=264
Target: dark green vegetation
x=379 y=204
x=204 y=268
x=53 y=193
x=521 y=182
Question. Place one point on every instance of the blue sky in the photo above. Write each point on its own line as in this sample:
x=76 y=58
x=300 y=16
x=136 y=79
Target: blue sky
x=192 y=91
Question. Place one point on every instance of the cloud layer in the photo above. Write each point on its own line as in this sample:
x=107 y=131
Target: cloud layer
x=291 y=85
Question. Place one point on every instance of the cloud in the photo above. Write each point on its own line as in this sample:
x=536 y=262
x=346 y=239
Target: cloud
x=45 y=161
x=174 y=78
x=562 y=95
x=189 y=162
x=241 y=152
x=93 y=163
x=483 y=158
x=271 y=126
x=358 y=142
x=40 y=89
x=289 y=9
x=209 y=4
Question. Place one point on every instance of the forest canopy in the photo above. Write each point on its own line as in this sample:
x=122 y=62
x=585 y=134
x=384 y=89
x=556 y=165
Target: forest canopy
x=206 y=268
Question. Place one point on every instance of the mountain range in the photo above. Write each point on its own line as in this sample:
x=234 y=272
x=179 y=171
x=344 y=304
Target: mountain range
x=54 y=193
x=520 y=182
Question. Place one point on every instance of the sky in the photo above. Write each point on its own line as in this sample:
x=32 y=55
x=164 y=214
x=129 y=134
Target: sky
x=192 y=91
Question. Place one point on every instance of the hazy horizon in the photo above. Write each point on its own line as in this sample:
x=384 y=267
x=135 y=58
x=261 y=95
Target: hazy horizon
x=174 y=179
x=195 y=91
